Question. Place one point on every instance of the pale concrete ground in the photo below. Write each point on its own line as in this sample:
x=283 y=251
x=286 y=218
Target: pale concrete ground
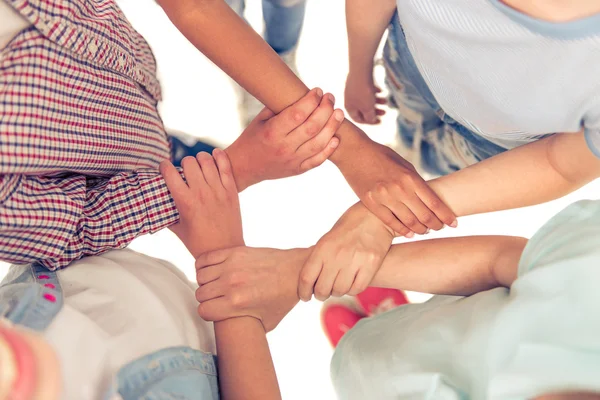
x=295 y=212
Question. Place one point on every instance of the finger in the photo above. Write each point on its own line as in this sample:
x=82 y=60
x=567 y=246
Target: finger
x=210 y=291
x=293 y=116
x=407 y=216
x=265 y=114
x=320 y=158
x=433 y=202
x=345 y=278
x=314 y=124
x=193 y=175
x=320 y=142
x=216 y=310
x=225 y=170
x=208 y=274
x=212 y=258
x=377 y=89
x=209 y=169
x=324 y=284
x=381 y=100
x=424 y=214
x=361 y=282
x=387 y=216
x=176 y=185
x=379 y=112
x=308 y=276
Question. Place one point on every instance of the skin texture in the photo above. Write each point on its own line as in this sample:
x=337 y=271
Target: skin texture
x=387 y=184
x=246 y=369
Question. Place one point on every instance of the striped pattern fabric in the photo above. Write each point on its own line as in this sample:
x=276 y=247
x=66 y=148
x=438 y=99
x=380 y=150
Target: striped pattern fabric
x=504 y=75
x=81 y=138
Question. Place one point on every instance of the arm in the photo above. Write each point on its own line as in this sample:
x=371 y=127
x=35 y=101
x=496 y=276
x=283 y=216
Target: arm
x=528 y=175
x=366 y=22
x=263 y=282
x=532 y=174
x=388 y=185
x=246 y=369
x=211 y=26
x=211 y=220
x=454 y=266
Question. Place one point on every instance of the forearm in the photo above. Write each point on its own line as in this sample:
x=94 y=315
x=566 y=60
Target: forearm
x=532 y=174
x=366 y=22
x=246 y=369
x=229 y=42
x=454 y=266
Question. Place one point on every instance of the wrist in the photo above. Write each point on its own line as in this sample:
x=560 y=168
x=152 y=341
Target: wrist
x=361 y=212
x=240 y=166
x=298 y=257
x=361 y=67
x=353 y=141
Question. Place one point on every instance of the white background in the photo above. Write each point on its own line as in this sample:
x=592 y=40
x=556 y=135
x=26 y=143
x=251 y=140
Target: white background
x=199 y=99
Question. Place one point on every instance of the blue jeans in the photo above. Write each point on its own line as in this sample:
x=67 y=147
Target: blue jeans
x=440 y=145
x=283 y=21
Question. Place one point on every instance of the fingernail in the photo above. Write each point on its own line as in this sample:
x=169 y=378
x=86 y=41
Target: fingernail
x=338 y=115
x=428 y=230
x=409 y=235
x=319 y=92
x=331 y=98
x=454 y=224
x=217 y=151
x=334 y=143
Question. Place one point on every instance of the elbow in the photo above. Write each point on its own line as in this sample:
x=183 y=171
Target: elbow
x=555 y=150
x=503 y=268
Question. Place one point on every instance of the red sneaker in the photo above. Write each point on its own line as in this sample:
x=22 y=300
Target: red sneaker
x=337 y=319
x=378 y=300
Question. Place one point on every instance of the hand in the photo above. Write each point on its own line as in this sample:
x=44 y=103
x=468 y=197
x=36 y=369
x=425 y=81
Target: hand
x=294 y=141
x=208 y=203
x=392 y=189
x=345 y=260
x=244 y=281
x=361 y=99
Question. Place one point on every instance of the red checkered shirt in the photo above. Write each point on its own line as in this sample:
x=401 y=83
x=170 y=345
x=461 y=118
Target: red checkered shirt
x=81 y=138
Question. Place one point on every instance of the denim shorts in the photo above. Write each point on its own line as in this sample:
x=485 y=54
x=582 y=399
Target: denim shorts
x=31 y=296
x=435 y=142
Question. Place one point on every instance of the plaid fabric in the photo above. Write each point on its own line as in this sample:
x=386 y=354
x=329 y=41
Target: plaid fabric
x=81 y=138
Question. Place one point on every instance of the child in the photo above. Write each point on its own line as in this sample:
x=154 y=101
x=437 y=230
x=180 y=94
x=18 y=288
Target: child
x=536 y=334
x=82 y=138
x=527 y=328
x=474 y=78
x=465 y=76
x=65 y=52
x=122 y=325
